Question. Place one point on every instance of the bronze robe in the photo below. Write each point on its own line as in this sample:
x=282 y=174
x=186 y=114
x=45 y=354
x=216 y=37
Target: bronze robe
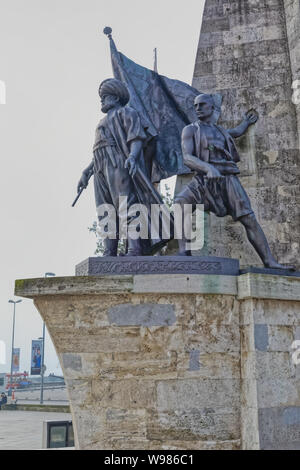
x=111 y=179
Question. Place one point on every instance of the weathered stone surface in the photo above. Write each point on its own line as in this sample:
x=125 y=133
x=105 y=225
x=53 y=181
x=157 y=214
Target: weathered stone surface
x=279 y=428
x=269 y=312
x=137 y=393
x=270 y=383
x=104 y=340
x=267 y=286
x=77 y=285
x=249 y=428
x=257 y=365
x=194 y=360
x=89 y=426
x=157 y=444
x=193 y=424
x=202 y=445
x=121 y=423
x=72 y=361
x=147 y=365
x=191 y=393
x=159 y=370
x=91 y=364
x=221 y=310
x=249 y=51
x=261 y=337
x=142 y=315
x=185 y=284
x=212 y=338
x=164 y=283
x=278 y=392
x=272 y=271
x=292 y=17
x=195 y=363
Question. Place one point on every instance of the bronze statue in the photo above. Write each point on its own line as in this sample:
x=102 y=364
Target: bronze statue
x=138 y=144
x=210 y=151
x=118 y=165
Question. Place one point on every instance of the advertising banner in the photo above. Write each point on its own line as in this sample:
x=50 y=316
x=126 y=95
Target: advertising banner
x=36 y=356
x=16 y=360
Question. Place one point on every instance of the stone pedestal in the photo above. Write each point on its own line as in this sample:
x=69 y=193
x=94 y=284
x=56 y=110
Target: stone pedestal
x=103 y=265
x=176 y=361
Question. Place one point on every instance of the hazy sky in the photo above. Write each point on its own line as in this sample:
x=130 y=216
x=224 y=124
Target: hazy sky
x=53 y=56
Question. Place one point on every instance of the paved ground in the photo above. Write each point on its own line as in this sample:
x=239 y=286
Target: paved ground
x=24 y=429
x=55 y=394
x=37 y=402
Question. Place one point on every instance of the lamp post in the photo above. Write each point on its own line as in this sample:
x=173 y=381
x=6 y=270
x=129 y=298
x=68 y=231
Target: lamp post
x=43 y=354
x=12 y=343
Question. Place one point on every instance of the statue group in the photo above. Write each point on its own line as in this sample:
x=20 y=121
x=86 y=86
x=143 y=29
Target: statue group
x=120 y=167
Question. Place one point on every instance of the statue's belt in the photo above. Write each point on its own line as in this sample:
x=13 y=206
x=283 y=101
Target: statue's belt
x=105 y=143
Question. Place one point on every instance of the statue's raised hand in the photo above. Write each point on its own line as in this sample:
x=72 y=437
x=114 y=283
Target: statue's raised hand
x=251 y=117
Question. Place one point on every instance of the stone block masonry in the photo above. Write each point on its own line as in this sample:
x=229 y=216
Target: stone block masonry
x=176 y=361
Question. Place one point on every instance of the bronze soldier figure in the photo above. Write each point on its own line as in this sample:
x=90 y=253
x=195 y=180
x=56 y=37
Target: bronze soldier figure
x=117 y=152
x=119 y=167
x=209 y=150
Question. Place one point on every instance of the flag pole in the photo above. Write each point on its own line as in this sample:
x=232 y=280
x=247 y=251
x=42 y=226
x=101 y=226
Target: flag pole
x=155 y=60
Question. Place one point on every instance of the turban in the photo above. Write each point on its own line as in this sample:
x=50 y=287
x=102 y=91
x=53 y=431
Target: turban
x=115 y=87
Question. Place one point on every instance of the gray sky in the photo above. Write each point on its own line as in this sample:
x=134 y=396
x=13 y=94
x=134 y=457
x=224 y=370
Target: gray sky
x=53 y=56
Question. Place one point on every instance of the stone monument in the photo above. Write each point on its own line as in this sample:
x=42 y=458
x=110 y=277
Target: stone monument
x=191 y=352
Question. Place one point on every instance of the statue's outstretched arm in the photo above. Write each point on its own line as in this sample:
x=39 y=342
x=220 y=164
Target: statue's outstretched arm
x=250 y=118
x=90 y=169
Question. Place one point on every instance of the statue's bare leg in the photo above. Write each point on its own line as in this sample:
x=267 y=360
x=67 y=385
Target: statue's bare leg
x=259 y=241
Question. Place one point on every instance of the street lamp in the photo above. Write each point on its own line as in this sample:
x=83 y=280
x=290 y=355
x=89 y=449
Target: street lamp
x=12 y=343
x=43 y=354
